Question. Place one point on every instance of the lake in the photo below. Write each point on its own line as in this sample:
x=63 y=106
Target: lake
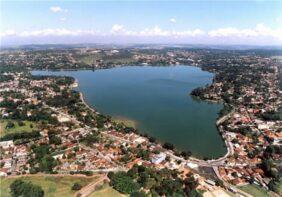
x=158 y=100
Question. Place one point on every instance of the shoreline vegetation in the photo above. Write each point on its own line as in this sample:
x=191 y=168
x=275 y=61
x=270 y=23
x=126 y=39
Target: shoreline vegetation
x=118 y=119
x=126 y=121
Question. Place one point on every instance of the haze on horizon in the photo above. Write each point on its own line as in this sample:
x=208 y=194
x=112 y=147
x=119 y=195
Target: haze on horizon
x=182 y=22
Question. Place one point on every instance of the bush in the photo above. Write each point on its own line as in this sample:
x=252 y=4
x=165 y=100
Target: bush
x=76 y=186
x=21 y=123
x=168 y=146
x=10 y=125
x=274 y=186
x=152 y=139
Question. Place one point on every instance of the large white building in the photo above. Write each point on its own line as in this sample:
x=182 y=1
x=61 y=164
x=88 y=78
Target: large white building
x=159 y=158
x=7 y=144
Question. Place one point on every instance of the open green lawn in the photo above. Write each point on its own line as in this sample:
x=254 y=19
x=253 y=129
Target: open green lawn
x=16 y=128
x=52 y=186
x=119 y=60
x=279 y=187
x=127 y=122
x=106 y=191
x=90 y=59
x=254 y=190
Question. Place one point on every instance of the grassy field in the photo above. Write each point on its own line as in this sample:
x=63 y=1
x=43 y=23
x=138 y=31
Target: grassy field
x=90 y=59
x=107 y=191
x=280 y=188
x=16 y=128
x=254 y=190
x=52 y=186
x=126 y=122
x=119 y=60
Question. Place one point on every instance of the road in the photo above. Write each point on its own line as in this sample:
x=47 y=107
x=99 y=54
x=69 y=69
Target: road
x=227 y=185
x=217 y=162
x=209 y=163
x=224 y=118
x=90 y=188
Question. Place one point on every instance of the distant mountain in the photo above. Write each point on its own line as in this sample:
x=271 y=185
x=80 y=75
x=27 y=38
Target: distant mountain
x=142 y=46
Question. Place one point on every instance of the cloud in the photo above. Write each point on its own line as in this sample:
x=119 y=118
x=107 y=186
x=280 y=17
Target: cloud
x=9 y=32
x=57 y=9
x=259 y=31
x=190 y=33
x=259 y=34
x=117 y=28
x=48 y=32
x=279 y=20
x=63 y=19
x=172 y=20
x=157 y=31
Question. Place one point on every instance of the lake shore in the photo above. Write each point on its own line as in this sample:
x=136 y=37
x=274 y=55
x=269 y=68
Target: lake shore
x=132 y=123
x=172 y=153
x=126 y=121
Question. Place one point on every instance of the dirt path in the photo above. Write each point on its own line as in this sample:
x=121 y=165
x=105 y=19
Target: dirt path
x=88 y=189
x=1 y=128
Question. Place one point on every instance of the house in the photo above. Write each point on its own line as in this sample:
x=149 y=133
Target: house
x=192 y=165
x=139 y=140
x=7 y=144
x=3 y=173
x=159 y=158
x=63 y=119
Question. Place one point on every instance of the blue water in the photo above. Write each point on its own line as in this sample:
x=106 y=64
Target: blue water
x=158 y=99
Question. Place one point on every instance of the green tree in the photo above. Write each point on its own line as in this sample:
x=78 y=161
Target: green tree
x=53 y=139
x=219 y=182
x=123 y=183
x=89 y=139
x=20 y=188
x=138 y=194
x=47 y=163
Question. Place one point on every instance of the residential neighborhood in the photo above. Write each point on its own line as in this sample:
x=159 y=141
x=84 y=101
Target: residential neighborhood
x=63 y=135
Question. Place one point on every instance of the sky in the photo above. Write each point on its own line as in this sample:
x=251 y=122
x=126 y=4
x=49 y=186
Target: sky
x=257 y=22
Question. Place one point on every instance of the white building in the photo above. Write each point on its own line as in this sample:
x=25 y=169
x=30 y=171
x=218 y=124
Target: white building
x=7 y=144
x=159 y=158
